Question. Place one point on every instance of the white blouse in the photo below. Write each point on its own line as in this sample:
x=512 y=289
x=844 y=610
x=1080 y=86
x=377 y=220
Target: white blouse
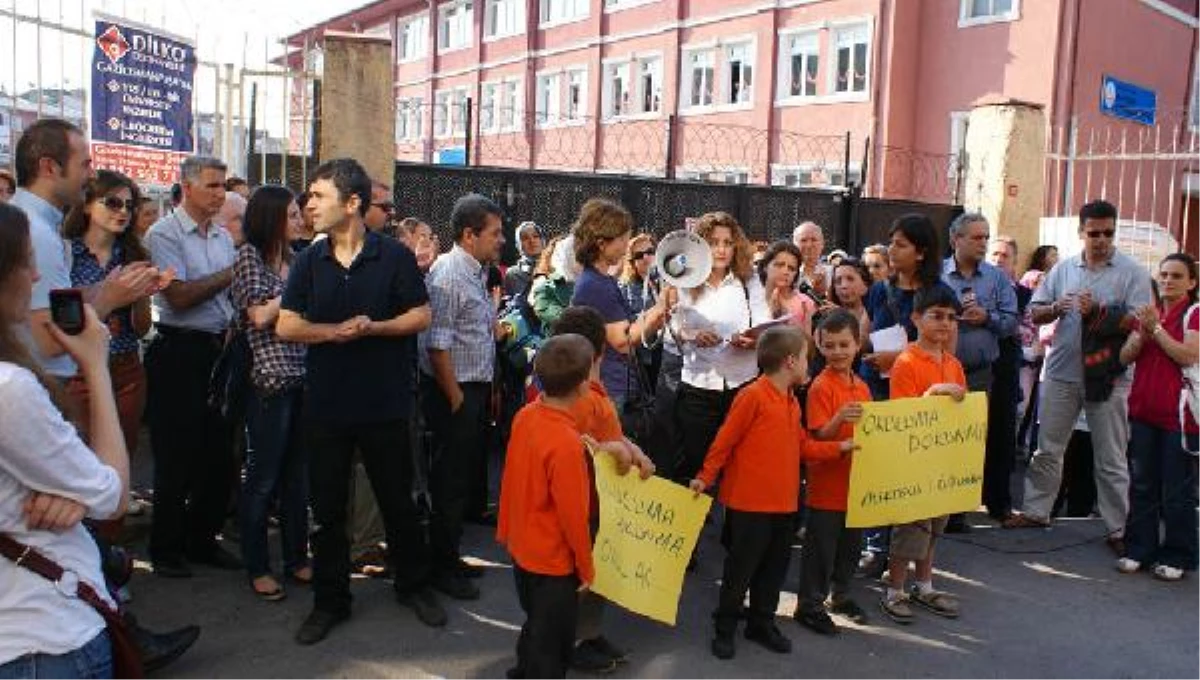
x=725 y=309
x=40 y=451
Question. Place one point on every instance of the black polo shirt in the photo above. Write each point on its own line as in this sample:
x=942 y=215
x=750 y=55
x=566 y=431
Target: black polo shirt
x=370 y=379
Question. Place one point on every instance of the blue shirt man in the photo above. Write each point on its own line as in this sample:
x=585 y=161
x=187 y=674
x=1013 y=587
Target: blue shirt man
x=988 y=298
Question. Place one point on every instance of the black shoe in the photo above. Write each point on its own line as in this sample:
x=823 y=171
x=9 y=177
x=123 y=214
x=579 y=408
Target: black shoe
x=606 y=647
x=514 y=673
x=172 y=568
x=589 y=658
x=770 y=637
x=158 y=650
x=849 y=609
x=469 y=570
x=723 y=646
x=318 y=624
x=817 y=621
x=425 y=604
x=957 y=525
x=217 y=557
x=456 y=586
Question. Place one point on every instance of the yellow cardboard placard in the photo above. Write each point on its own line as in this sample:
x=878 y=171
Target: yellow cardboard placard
x=920 y=458
x=648 y=529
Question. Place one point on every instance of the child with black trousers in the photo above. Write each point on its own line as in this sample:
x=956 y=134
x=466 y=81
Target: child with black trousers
x=543 y=520
x=831 y=549
x=759 y=447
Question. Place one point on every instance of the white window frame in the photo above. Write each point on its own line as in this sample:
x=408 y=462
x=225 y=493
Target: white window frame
x=512 y=105
x=458 y=118
x=965 y=20
x=750 y=60
x=549 y=99
x=1194 y=97
x=383 y=30
x=464 y=22
x=836 y=31
x=612 y=68
x=723 y=175
x=579 y=115
x=780 y=171
x=687 y=69
x=489 y=107
x=958 y=140
x=636 y=72
x=809 y=41
x=568 y=12
x=613 y=6
x=410 y=117
x=415 y=29
x=514 y=8
x=442 y=113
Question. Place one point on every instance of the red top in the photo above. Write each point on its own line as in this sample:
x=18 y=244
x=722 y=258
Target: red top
x=1158 y=380
x=760 y=446
x=544 y=495
x=916 y=370
x=829 y=480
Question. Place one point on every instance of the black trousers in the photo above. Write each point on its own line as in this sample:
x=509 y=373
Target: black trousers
x=193 y=446
x=384 y=448
x=698 y=415
x=547 y=638
x=829 y=558
x=459 y=440
x=666 y=445
x=759 y=547
x=1001 y=451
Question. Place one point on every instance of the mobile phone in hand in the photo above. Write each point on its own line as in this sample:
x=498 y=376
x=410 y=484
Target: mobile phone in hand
x=66 y=310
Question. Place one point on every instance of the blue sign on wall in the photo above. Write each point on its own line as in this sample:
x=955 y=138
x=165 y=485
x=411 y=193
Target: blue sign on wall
x=1120 y=99
x=453 y=155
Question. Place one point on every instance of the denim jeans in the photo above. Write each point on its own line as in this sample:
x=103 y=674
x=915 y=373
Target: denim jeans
x=276 y=462
x=93 y=660
x=1163 y=488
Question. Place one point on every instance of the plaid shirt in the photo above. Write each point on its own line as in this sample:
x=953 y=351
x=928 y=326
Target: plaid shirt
x=86 y=271
x=278 y=365
x=463 y=317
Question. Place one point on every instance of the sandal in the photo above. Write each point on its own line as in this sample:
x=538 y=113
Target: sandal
x=1165 y=572
x=1016 y=521
x=302 y=580
x=275 y=594
x=897 y=609
x=942 y=604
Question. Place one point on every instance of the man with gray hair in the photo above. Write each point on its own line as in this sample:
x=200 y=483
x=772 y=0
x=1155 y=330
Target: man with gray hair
x=192 y=442
x=815 y=279
x=989 y=316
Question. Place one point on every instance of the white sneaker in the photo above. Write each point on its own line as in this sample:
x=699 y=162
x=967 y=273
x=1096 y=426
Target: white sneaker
x=1165 y=572
x=1128 y=566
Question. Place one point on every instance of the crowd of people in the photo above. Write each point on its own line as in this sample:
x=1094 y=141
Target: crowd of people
x=318 y=361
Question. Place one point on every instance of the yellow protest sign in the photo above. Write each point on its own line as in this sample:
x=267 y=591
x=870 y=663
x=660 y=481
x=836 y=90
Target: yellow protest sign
x=648 y=529
x=920 y=458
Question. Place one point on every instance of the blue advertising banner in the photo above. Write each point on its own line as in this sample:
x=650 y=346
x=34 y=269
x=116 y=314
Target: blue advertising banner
x=142 y=122
x=1128 y=101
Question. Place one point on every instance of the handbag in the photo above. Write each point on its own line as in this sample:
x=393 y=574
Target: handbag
x=229 y=384
x=127 y=658
x=1189 y=396
x=637 y=413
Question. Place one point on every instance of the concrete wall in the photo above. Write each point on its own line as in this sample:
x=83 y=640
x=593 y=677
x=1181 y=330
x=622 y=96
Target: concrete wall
x=357 y=103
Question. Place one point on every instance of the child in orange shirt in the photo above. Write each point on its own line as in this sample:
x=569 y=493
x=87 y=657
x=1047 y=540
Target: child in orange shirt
x=926 y=367
x=596 y=419
x=759 y=447
x=543 y=519
x=831 y=550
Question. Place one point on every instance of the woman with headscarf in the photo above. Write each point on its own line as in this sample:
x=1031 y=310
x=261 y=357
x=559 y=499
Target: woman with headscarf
x=519 y=277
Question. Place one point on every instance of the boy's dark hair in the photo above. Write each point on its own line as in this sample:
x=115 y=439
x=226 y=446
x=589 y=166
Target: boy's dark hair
x=45 y=138
x=233 y=182
x=935 y=296
x=776 y=345
x=563 y=363
x=1097 y=210
x=350 y=179
x=583 y=321
x=838 y=320
x=471 y=212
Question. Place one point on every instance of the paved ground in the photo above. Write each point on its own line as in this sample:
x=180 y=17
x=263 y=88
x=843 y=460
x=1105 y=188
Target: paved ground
x=1035 y=604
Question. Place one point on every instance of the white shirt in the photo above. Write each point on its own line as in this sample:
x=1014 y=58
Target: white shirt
x=41 y=451
x=726 y=309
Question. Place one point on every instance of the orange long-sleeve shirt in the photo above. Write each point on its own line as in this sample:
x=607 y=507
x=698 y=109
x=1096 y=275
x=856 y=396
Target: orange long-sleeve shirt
x=916 y=370
x=829 y=480
x=759 y=447
x=595 y=415
x=544 y=492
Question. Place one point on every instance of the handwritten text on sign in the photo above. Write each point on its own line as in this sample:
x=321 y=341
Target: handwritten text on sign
x=920 y=458
x=648 y=529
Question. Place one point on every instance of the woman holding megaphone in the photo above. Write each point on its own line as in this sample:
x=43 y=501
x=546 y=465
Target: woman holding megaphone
x=714 y=322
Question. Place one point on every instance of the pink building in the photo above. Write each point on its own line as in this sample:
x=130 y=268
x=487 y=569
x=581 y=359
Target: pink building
x=777 y=91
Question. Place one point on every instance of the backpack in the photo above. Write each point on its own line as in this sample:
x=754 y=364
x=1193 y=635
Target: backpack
x=1189 y=396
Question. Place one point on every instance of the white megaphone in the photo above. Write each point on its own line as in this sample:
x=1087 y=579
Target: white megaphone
x=683 y=259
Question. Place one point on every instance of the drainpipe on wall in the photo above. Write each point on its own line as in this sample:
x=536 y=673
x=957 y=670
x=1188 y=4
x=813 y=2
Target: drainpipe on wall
x=773 y=131
x=876 y=87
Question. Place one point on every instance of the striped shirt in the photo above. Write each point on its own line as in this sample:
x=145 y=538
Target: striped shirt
x=464 y=317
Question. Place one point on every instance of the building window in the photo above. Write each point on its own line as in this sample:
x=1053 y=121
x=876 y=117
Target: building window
x=731 y=176
x=510 y=106
x=504 y=18
x=972 y=12
x=441 y=113
x=488 y=101
x=409 y=120
x=649 y=95
x=958 y=142
x=698 y=80
x=616 y=89
x=456 y=25
x=851 y=46
x=549 y=99
x=617 y=5
x=740 y=81
x=576 y=94
x=814 y=175
x=412 y=37
x=562 y=11
x=801 y=60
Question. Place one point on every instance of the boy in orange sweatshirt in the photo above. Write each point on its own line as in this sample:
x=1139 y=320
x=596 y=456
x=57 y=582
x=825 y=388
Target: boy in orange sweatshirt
x=759 y=447
x=596 y=418
x=926 y=367
x=543 y=520
x=831 y=550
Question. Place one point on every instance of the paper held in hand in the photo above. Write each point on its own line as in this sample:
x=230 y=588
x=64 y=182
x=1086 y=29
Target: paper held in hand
x=891 y=339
